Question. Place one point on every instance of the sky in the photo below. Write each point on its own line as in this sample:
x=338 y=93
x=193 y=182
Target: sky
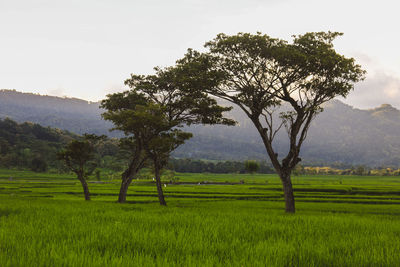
x=87 y=48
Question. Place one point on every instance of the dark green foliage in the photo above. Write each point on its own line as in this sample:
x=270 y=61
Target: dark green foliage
x=38 y=165
x=344 y=127
x=79 y=157
x=259 y=73
x=251 y=166
x=152 y=114
x=201 y=166
x=29 y=145
x=97 y=173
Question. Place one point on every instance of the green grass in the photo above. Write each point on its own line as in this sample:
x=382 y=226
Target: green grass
x=340 y=221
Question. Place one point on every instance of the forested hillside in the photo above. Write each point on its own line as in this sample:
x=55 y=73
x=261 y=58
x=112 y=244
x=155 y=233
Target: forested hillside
x=72 y=114
x=29 y=145
x=32 y=146
x=341 y=135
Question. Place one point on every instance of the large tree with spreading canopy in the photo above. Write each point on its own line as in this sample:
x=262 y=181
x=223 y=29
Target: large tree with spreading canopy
x=260 y=74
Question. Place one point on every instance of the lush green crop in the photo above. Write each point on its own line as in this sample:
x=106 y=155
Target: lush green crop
x=340 y=221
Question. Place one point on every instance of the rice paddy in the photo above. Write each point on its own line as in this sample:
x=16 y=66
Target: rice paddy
x=210 y=220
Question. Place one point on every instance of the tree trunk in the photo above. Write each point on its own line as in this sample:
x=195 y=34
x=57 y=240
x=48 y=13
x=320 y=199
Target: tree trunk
x=159 y=186
x=123 y=190
x=85 y=188
x=127 y=177
x=288 y=192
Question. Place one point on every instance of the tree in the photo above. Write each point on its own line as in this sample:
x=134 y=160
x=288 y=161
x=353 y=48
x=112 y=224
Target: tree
x=360 y=170
x=251 y=166
x=38 y=165
x=125 y=110
x=272 y=80
x=79 y=156
x=298 y=170
x=150 y=115
x=159 y=150
x=97 y=173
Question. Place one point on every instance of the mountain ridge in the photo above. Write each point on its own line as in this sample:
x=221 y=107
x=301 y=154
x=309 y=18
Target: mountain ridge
x=341 y=134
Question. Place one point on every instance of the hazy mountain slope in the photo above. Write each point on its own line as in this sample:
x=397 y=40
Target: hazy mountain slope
x=71 y=114
x=341 y=134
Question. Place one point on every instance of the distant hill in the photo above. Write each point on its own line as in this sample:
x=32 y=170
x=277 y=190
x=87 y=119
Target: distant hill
x=30 y=145
x=340 y=135
x=72 y=114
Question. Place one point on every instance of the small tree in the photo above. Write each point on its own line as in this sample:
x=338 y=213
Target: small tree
x=360 y=170
x=79 y=156
x=259 y=74
x=97 y=173
x=298 y=170
x=38 y=165
x=159 y=150
x=251 y=166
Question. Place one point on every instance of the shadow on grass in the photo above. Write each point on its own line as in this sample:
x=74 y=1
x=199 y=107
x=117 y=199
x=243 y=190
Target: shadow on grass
x=350 y=191
x=207 y=193
x=140 y=202
x=213 y=196
x=6 y=212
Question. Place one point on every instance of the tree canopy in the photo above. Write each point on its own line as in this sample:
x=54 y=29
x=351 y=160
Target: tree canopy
x=251 y=166
x=152 y=115
x=259 y=73
x=79 y=156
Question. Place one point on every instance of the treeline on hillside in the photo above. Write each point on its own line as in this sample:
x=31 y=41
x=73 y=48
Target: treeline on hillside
x=29 y=145
x=32 y=146
x=353 y=170
x=344 y=127
x=199 y=166
x=72 y=114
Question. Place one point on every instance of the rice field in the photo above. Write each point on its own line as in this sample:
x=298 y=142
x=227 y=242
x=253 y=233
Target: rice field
x=210 y=220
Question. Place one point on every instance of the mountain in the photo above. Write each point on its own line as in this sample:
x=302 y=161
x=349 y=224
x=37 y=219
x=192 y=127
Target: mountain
x=30 y=145
x=72 y=114
x=338 y=136
x=341 y=135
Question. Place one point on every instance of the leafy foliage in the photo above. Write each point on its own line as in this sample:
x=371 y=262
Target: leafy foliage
x=259 y=73
x=151 y=115
x=29 y=145
x=341 y=135
x=251 y=166
x=79 y=157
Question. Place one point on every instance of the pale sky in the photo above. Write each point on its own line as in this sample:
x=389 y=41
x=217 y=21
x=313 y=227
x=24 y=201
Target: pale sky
x=87 y=48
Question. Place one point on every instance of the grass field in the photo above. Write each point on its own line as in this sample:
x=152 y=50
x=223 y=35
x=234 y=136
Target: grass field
x=340 y=221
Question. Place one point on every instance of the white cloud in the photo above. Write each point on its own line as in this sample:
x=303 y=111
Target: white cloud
x=378 y=88
x=57 y=92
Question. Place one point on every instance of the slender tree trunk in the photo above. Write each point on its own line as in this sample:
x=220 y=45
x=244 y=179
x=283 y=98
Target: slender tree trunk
x=124 y=189
x=284 y=172
x=85 y=188
x=127 y=177
x=160 y=192
x=288 y=192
